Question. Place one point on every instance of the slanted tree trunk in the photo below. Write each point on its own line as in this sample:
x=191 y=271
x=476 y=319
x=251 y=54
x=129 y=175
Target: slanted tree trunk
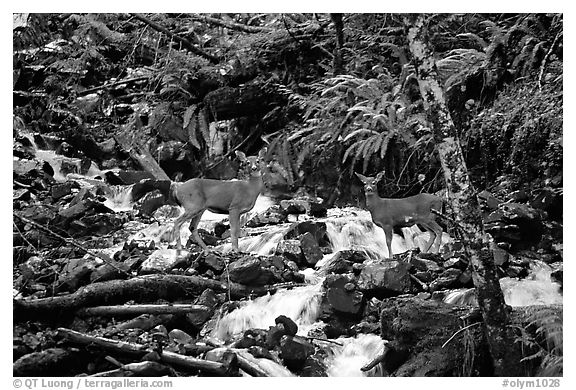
x=464 y=204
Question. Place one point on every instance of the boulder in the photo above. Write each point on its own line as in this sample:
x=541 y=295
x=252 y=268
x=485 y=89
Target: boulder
x=384 y=278
x=450 y=278
x=294 y=351
x=515 y=223
x=340 y=296
x=290 y=249
x=245 y=270
x=311 y=251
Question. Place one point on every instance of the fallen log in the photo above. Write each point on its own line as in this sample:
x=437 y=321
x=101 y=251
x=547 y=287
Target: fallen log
x=379 y=358
x=140 y=350
x=141 y=289
x=142 y=309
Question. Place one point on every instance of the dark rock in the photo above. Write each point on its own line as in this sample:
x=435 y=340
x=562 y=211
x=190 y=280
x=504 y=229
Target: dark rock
x=550 y=200
x=424 y=276
x=260 y=352
x=417 y=331
x=214 y=262
x=447 y=279
x=76 y=273
x=455 y=262
x=107 y=272
x=318 y=210
x=293 y=206
x=310 y=249
x=253 y=337
x=318 y=230
x=558 y=275
x=245 y=270
x=385 y=278
x=49 y=362
x=272 y=216
x=514 y=271
x=488 y=202
x=43 y=214
x=465 y=279
x=313 y=368
x=339 y=297
x=501 y=256
x=132 y=177
x=294 y=351
x=515 y=223
x=60 y=190
x=424 y=265
x=290 y=249
x=518 y=196
x=21 y=194
x=274 y=336
x=151 y=202
x=290 y=326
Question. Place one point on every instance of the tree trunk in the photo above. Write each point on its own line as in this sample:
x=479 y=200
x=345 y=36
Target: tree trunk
x=464 y=204
x=339 y=27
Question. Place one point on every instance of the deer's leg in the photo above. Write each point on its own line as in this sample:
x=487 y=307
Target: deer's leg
x=426 y=225
x=388 y=231
x=234 y=227
x=187 y=215
x=194 y=230
x=438 y=230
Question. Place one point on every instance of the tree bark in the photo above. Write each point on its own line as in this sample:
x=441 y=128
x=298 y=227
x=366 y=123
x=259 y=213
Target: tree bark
x=338 y=64
x=464 y=204
x=129 y=140
x=140 y=350
x=230 y=25
x=186 y=43
x=143 y=288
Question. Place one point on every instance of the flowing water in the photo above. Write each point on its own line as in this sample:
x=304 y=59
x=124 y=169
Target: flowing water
x=349 y=228
x=536 y=289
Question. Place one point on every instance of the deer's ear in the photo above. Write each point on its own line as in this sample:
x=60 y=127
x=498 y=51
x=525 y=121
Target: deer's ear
x=241 y=156
x=379 y=176
x=262 y=153
x=362 y=178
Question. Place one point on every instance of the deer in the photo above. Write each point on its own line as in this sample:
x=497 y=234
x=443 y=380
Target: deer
x=388 y=213
x=232 y=197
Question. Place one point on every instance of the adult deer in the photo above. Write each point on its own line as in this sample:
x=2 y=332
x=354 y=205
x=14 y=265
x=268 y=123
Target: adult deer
x=232 y=197
x=389 y=213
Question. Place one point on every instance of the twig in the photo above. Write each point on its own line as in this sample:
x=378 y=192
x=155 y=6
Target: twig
x=325 y=340
x=186 y=43
x=73 y=242
x=114 y=84
x=24 y=238
x=460 y=331
x=546 y=60
x=230 y=25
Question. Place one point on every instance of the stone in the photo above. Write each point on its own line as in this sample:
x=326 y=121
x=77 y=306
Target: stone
x=424 y=265
x=245 y=270
x=214 y=262
x=447 y=279
x=340 y=298
x=318 y=210
x=500 y=255
x=107 y=272
x=515 y=223
x=385 y=278
x=290 y=249
x=289 y=325
x=310 y=249
x=272 y=216
x=318 y=230
x=294 y=351
x=293 y=206
x=60 y=190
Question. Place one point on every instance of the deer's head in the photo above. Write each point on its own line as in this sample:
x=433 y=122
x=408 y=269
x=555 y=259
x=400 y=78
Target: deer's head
x=252 y=164
x=370 y=183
